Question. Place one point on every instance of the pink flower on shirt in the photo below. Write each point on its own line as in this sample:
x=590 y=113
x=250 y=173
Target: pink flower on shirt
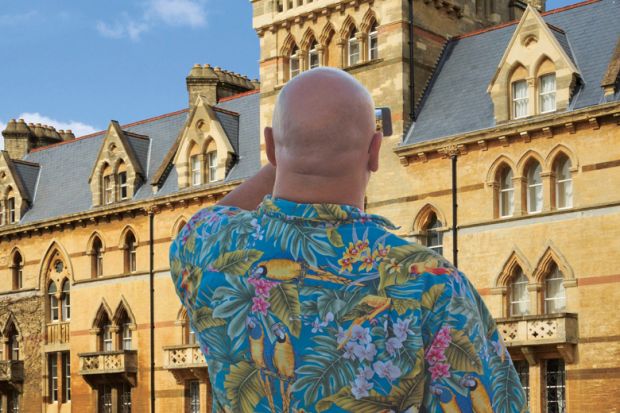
x=260 y=305
x=262 y=286
x=439 y=370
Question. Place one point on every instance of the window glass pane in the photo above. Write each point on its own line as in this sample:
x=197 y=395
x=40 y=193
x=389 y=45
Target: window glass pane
x=53 y=377
x=66 y=362
x=534 y=192
x=294 y=64
x=564 y=184
x=547 y=93
x=555 y=386
x=373 y=44
x=519 y=98
x=523 y=370
x=354 y=49
x=122 y=177
x=125 y=399
x=313 y=57
x=196 y=173
x=555 y=294
x=194 y=396
x=519 y=296
x=506 y=197
x=212 y=158
x=126 y=337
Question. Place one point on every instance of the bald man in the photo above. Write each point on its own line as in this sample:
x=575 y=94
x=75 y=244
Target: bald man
x=302 y=302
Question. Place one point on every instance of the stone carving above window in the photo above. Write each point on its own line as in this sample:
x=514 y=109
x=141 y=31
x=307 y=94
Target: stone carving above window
x=536 y=74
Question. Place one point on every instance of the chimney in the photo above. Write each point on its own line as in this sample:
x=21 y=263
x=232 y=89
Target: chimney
x=20 y=138
x=214 y=84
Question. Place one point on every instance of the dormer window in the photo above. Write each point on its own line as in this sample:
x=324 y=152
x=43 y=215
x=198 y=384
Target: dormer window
x=108 y=186
x=546 y=87
x=196 y=170
x=519 y=99
x=212 y=161
x=313 y=55
x=123 y=187
x=354 y=48
x=293 y=63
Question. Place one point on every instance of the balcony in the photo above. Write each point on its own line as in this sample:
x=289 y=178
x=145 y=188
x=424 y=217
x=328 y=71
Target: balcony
x=185 y=362
x=538 y=332
x=11 y=374
x=57 y=333
x=107 y=366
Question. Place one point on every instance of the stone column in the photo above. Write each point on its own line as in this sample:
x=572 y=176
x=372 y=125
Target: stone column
x=536 y=301
x=341 y=51
x=361 y=40
x=204 y=177
x=537 y=386
x=321 y=51
x=531 y=95
x=115 y=399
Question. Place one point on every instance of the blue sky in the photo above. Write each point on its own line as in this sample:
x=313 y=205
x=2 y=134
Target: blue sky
x=78 y=64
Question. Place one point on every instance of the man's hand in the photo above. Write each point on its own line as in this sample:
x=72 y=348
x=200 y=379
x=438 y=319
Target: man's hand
x=250 y=193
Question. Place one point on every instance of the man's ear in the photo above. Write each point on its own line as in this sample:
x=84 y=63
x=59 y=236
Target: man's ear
x=373 y=152
x=270 y=146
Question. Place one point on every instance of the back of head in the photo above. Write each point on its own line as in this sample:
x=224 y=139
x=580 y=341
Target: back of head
x=323 y=121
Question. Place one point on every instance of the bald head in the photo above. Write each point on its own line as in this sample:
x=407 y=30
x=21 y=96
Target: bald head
x=323 y=124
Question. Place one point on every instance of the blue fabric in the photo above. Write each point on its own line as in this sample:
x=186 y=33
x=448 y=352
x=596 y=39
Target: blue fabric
x=319 y=308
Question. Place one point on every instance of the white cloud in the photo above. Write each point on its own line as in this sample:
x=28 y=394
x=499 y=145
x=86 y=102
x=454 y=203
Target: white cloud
x=179 y=12
x=190 y=13
x=78 y=128
x=16 y=19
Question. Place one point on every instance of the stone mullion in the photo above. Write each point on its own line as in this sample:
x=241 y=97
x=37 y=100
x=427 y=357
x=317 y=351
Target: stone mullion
x=321 y=52
x=547 y=188
x=59 y=378
x=115 y=399
x=537 y=387
x=361 y=41
x=536 y=299
x=204 y=176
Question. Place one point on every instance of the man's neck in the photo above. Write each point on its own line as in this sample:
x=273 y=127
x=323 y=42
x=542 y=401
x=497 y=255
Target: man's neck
x=315 y=190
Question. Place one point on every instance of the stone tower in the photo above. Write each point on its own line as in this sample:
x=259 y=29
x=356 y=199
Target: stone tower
x=374 y=41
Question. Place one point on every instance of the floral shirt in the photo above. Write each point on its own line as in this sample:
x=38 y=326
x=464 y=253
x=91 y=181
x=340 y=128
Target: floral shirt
x=319 y=308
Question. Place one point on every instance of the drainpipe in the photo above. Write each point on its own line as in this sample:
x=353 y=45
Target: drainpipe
x=411 y=68
x=455 y=249
x=151 y=213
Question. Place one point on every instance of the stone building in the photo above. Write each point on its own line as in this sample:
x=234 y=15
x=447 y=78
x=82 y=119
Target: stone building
x=504 y=156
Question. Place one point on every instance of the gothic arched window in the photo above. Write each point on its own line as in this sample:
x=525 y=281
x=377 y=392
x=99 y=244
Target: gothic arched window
x=563 y=183
x=373 y=42
x=17 y=267
x=534 y=188
x=518 y=294
x=53 y=302
x=65 y=301
x=97 y=258
x=554 y=292
x=353 y=48
x=506 y=192
x=130 y=252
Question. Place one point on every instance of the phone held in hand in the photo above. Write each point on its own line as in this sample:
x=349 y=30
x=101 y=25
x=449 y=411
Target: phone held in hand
x=383 y=119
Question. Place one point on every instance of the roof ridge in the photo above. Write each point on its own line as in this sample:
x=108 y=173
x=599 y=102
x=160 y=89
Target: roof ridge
x=230 y=112
x=26 y=162
x=129 y=125
x=239 y=95
x=513 y=22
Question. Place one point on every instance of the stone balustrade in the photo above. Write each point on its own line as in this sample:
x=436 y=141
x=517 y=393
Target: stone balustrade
x=12 y=371
x=183 y=356
x=108 y=362
x=57 y=333
x=539 y=329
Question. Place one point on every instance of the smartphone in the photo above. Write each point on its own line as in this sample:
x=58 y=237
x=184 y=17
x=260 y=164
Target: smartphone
x=383 y=119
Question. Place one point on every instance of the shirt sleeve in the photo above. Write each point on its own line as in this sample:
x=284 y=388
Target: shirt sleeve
x=467 y=366
x=194 y=247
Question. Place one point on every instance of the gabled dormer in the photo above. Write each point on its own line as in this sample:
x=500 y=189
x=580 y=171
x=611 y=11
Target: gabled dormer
x=205 y=150
x=120 y=167
x=537 y=73
x=17 y=182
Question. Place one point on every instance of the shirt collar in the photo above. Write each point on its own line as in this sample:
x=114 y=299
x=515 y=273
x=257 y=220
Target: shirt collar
x=292 y=211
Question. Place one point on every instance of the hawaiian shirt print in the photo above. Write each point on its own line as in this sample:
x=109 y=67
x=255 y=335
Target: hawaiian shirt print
x=319 y=308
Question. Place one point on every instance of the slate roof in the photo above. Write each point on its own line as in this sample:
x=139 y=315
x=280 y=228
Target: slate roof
x=63 y=169
x=456 y=100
